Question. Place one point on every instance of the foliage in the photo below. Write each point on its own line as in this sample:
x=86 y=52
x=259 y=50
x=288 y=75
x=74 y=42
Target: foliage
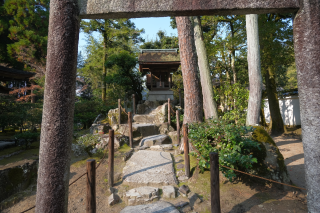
x=86 y=144
x=177 y=84
x=237 y=102
x=162 y=42
x=28 y=32
x=19 y=114
x=228 y=140
x=28 y=137
x=124 y=75
x=87 y=110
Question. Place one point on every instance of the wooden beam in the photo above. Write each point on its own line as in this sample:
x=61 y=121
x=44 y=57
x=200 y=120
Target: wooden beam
x=104 y=9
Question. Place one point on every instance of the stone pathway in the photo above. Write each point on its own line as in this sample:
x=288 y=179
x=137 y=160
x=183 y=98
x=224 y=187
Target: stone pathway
x=150 y=168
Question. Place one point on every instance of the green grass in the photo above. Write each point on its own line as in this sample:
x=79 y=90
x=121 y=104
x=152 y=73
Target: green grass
x=125 y=148
x=10 y=150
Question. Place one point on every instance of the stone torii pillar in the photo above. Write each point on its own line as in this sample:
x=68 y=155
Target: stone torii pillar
x=57 y=123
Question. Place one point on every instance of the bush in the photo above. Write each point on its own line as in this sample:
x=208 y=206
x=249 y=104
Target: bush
x=27 y=138
x=86 y=143
x=230 y=141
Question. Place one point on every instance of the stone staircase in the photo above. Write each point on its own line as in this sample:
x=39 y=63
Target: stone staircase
x=151 y=166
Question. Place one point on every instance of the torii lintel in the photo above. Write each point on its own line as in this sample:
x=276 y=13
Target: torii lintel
x=93 y=9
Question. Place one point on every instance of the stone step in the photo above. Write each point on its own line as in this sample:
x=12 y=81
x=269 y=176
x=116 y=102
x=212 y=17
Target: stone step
x=155 y=140
x=149 y=168
x=144 y=118
x=156 y=207
x=143 y=130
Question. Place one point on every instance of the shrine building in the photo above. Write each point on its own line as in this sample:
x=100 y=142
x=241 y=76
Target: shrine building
x=160 y=64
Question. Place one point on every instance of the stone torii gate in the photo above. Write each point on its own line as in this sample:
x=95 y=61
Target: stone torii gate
x=57 y=124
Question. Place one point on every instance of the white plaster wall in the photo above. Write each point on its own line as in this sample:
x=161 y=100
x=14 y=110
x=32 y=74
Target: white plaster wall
x=289 y=108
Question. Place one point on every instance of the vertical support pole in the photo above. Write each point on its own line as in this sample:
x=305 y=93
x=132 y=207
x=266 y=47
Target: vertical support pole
x=133 y=104
x=178 y=125
x=111 y=158
x=169 y=112
x=130 y=128
x=180 y=100
x=214 y=180
x=58 y=107
x=91 y=186
x=119 y=114
x=186 y=150
x=306 y=32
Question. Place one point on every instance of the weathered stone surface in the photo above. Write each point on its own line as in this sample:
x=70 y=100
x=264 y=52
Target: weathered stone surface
x=161 y=147
x=141 y=195
x=147 y=107
x=181 y=204
x=194 y=199
x=180 y=166
x=178 y=151
x=183 y=178
x=15 y=177
x=174 y=137
x=99 y=118
x=113 y=199
x=150 y=168
x=186 y=209
x=104 y=141
x=153 y=8
x=127 y=155
x=143 y=118
x=96 y=128
x=168 y=192
x=180 y=173
x=113 y=116
x=160 y=114
x=154 y=140
x=157 y=207
x=139 y=130
x=184 y=189
x=5 y=144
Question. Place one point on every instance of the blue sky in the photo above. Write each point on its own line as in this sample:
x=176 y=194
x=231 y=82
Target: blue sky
x=151 y=27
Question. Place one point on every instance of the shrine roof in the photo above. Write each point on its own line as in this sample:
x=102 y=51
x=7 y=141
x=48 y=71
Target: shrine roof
x=159 y=56
x=10 y=73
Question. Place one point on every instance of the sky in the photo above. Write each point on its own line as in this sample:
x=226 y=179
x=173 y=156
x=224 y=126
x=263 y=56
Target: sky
x=151 y=27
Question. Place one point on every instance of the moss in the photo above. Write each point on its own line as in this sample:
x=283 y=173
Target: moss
x=260 y=135
x=32 y=153
x=10 y=150
x=15 y=176
x=124 y=148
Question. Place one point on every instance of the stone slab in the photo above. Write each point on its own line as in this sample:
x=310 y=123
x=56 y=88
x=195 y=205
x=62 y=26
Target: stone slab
x=141 y=195
x=155 y=140
x=157 y=207
x=151 y=168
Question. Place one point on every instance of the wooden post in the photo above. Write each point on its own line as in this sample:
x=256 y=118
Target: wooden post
x=178 y=125
x=91 y=186
x=111 y=157
x=180 y=100
x=134 y=104
x=119 y=107
x=214 y=180
x=130 y=128
x=169 y=112
x=186 y=150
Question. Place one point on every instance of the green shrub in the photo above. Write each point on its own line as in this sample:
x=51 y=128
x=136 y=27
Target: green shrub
x=27 y=137
x=229 y=140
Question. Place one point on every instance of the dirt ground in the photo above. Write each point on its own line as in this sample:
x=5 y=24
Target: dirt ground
x=237 y=197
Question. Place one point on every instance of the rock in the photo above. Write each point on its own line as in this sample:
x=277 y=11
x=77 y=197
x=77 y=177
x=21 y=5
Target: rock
x=180 y=166
x=113 y=199
x=184 y=189
x=161 y=147
x=150 y=168
x=113 y=116
x=183 y=178
x=141 y=195
x=164 y=128
x=147 y=107
x=174 y=137
x=168 y=192
x=104 y=141
x=16 y=177
x=158 y=207
x=180 y=173
x=194 y=199
x=122 y=139
x=127 y=155
x=141 y=148
x=96 y=128
x=154 y=140
x=186 y=209
x=99 y=118
x=139 y=130
x=143 y=118
x=178 y=152
x=112 y=190
x=181 y=204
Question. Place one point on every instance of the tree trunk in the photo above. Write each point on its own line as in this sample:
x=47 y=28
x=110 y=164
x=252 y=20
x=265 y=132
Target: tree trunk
x=276 y=121
x=209 y=104
x=192 y=94
x=262 y=116
x=254 y=67
x=306 y=31
x=58 y=107
x=104 y=72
